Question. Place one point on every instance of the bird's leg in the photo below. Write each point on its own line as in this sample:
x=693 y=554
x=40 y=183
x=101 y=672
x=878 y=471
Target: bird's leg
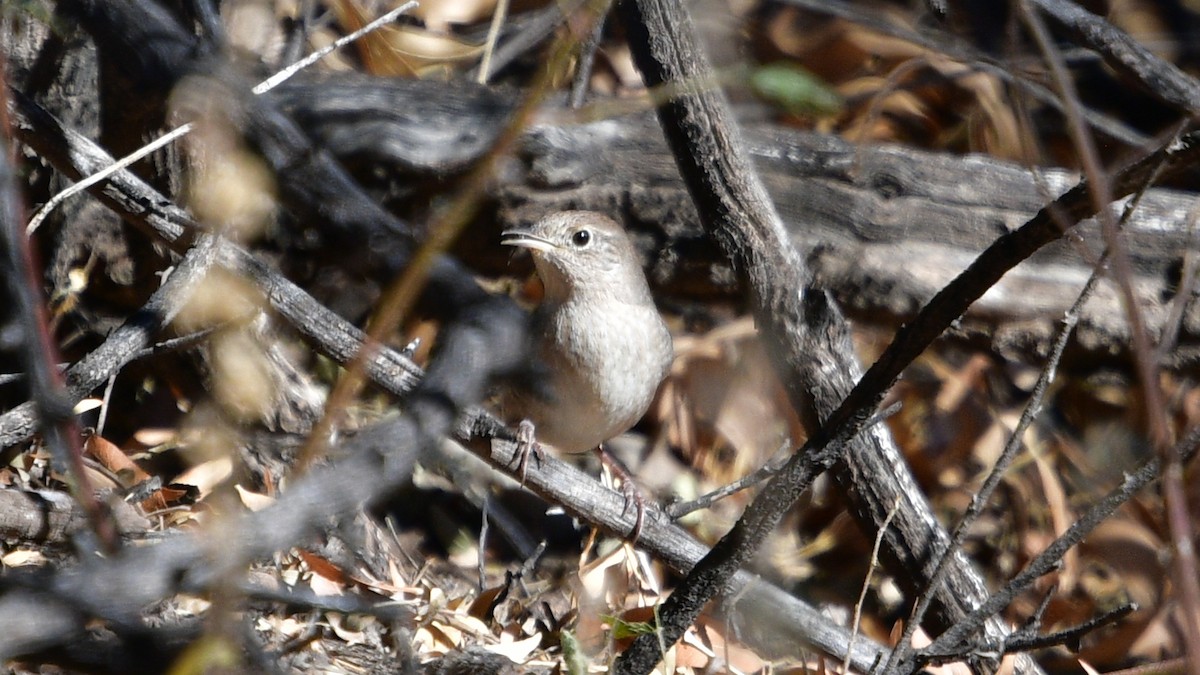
x=526 y=445
x=628 y=488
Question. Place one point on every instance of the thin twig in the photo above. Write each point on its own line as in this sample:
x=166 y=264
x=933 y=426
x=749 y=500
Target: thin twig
x=399 y=298
x=1185 y=292
x=1031 y=410
x=866 y=585
x=30 y=326
x=535 y=26
x=1024 y=642
x=980 y=499
x=1144 y=354
x=498 y=16
x=286 y=73
x=123 y=163
x=587 y=59
x=770 y=468
x=185 y=129
x=1067 y=636
x=104 y=401
x=1046 y=561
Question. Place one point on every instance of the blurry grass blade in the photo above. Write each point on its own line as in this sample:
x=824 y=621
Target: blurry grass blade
x=573 y=656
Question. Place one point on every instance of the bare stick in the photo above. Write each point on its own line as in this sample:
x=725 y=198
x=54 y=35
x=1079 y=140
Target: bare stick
x=1049 y=558
x=1143 y=351
x=1015 y=442
x=329 y=334
x=866 y=585
x=29 y=329
x=179 y=132
x=762 y=473
x=587 y=58
x=286 y=73
x=490 y=46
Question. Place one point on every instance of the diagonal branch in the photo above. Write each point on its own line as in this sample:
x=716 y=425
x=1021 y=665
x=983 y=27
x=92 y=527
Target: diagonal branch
x=807 y=338
x=791 y=621
x=1127 y=56
x=697 y=128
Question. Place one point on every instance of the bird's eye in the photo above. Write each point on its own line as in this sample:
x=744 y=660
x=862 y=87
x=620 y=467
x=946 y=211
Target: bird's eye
x=581 y=238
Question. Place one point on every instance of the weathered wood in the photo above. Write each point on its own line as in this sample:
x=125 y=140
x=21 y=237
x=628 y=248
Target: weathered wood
x=794 y=624
x=882 y=227
x=53 y=517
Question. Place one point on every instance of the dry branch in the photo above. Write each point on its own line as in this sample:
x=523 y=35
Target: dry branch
x=791 y=623
x=808 y=340
x=859 y=214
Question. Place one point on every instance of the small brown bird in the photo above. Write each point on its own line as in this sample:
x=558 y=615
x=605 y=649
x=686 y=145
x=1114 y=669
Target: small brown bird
x=604 y=346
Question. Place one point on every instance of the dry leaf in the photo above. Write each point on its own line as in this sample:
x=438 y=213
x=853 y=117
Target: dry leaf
x=114 y=459
x=206 y=476
x=22 y=558
x=254 y=501
x=84 y=405
x=517 y=651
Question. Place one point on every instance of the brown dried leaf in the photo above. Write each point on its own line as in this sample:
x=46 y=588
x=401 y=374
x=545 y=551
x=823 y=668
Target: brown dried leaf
x=114 y=459
x=400 y=51
x=206 y=476
x=322 y=567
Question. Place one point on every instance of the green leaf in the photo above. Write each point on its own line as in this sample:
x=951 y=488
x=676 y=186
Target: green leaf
x=622 y=629
x=795 y=89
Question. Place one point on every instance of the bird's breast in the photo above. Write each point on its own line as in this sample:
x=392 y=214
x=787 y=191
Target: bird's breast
x=606 y=363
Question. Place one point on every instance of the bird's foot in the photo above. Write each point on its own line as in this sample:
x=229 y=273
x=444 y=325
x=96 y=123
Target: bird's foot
x=633 y=494
x=526 y=445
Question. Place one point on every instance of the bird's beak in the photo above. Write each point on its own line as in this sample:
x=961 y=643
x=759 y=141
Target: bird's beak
x=526 y=239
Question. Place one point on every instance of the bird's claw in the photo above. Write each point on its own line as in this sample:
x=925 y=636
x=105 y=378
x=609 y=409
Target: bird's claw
x=633 y=494
x=630 y=490
x=526 y=445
